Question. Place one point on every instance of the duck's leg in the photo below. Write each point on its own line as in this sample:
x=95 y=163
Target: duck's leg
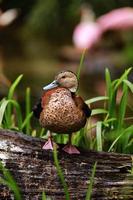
x=69 y=148
x=49 y=144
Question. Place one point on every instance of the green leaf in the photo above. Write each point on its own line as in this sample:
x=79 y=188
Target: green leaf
x=10 y=96
x=24 y=124
x=61 y=175
x=108 y=83
x=3 y=106
x=99 y=136
x=124 y=76
x=122 y=106
x=18 y=110
x=128 y=130
x=98 y=111
x=81 y=64
x=44 y=196
x=13 y=86
x=95 y=99
x=89 y=191
x=28 y=111
x=110 y=93
x=10 y=182
x=107 y=121
x=129 y=84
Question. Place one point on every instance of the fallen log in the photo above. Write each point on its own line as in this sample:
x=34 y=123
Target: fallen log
x=35 y=172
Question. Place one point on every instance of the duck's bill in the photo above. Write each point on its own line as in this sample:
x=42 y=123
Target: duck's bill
x=51 y=85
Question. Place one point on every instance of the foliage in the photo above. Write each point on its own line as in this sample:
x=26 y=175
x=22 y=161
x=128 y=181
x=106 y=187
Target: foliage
x=56 y=19
x=89 y=191
x=61 y=175
x=11 y=112
x=9 y=181
x=57 y=15
x=113 y=132
x=44 y=196
x=62 y=178
x=81 y=64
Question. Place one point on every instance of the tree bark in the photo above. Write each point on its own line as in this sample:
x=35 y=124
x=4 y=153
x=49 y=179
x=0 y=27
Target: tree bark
x=35 y=172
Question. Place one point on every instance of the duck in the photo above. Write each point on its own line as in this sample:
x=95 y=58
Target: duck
x=60 y=110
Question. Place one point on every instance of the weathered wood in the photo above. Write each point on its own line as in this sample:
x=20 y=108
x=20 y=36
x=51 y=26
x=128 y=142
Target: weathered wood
x=34 y=170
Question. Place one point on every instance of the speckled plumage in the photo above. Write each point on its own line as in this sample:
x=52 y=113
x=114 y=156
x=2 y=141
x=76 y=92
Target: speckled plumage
x=60 y=112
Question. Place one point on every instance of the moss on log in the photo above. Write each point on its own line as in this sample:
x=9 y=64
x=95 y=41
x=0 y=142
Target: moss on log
x=35 y=172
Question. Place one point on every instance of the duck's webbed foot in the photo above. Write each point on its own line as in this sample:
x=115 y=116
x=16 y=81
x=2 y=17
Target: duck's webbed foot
x=49 y=145
x=70 y=149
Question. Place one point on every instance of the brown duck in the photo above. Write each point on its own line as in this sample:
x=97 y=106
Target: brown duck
x=61 y=110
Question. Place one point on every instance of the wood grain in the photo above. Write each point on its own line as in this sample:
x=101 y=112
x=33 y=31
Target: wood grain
x=34 y=170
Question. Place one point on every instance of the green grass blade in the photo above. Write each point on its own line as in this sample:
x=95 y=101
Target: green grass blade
x=108 y=83
x=95 y=99
x=3 y=106
x=107 y=121
x=129 y=84
x=13 y=86
x=81 y=64
x=44 y=196
x=42 y=132
x=89 y=191
x=112 y=104
x=128 y=130
x=110 y=93
x=27 y=119
x=98 y=111
x=61 y=176
x=28 y=111
x=121 y=79
x=122 y=106
x=99 y=136
x=10 y=182
x=10 y=96
x=18 y=111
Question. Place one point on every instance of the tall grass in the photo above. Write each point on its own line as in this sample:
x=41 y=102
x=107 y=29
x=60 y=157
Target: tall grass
x=64 y=184
x=61 y=175
x=11 y=115
x=112 y=130
x=89 y=191
x=81 y=64
x=10 y=182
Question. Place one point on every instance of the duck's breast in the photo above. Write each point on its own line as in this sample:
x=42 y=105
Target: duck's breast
x=60 y=113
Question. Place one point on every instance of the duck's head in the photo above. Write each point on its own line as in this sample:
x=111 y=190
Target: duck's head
x=66 y=79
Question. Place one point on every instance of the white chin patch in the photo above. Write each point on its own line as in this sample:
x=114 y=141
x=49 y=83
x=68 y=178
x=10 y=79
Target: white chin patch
x=73 y=89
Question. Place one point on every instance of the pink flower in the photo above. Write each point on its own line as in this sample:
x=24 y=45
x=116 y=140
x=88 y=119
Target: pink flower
x=87 y=33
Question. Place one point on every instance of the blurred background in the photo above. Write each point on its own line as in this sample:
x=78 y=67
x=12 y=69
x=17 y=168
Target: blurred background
x=38 y=38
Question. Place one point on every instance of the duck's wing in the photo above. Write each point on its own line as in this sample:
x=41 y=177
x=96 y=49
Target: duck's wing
x=82 y=105
x=37 y=109
x=86 y=110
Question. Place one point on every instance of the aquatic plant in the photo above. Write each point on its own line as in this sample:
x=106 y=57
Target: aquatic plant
x=113 y=132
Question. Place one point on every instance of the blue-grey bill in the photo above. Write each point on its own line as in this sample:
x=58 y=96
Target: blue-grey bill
x=51 y=85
